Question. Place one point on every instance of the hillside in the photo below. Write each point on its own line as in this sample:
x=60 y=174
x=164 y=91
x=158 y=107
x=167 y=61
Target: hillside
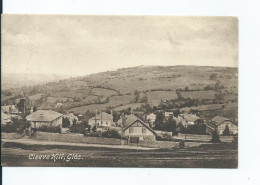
x=117 y=89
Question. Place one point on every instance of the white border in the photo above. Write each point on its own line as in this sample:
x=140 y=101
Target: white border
x=249 y=65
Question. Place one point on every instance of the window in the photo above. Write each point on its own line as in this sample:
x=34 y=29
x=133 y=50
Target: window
x=131 y=130
x=144 y=130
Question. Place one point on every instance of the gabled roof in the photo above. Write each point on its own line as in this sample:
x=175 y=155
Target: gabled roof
x=43 y=116
x=189 y=117
x=105 y=116
x=218 y=120
x=131 y=119
x=128 y=120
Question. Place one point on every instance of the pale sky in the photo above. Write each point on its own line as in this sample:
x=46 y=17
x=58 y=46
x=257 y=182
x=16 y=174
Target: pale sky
x=81 y=45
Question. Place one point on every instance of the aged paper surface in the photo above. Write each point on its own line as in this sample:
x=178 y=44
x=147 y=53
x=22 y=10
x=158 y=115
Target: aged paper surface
x=119 y=91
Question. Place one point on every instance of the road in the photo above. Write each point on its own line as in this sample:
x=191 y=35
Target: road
x=17 y=154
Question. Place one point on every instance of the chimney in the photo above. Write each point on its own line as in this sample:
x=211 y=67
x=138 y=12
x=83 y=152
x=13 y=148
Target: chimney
x=31 y=111
x=123 y=119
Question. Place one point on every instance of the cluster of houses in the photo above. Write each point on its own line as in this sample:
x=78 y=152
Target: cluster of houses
x=8 y=112
x=131 y=126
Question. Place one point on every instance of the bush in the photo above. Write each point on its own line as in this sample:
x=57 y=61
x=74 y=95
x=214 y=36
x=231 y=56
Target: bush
x=78 y=128
x=226 y=132
x=16 y=126
x=65 y=122
x=215 y=137
x=111 y=133
x=47 y=128
x=92 y=134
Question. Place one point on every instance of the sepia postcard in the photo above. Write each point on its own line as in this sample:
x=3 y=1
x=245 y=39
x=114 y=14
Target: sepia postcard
x=119 y=91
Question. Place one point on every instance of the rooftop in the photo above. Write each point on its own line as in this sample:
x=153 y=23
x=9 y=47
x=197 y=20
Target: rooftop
x=43 y=116
x=218 y=120
x=105 y=116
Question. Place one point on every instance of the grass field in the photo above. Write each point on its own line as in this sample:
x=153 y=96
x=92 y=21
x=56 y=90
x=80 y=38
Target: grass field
x=124 y=99
x=72 y=93
x=199 y=94
x=103 y=92
x=90 y=98
x=206 y=156
x=35 y=97
x=131 y=105
x=57 y=99
x=155 y=97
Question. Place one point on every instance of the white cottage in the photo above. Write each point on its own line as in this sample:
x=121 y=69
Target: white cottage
x=101 y=120
x=135 y=128
x=45 y=117
x=219 y=124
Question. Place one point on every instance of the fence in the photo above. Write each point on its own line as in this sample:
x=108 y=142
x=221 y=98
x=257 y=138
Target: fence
x=202 y=138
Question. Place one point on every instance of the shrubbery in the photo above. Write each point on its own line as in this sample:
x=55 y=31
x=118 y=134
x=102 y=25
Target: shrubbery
x=215 y=137
x=47 y=128
x=16 y=125
x=78 y=128
x=111 y=133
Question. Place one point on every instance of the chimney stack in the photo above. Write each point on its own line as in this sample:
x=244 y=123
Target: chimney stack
x=123 y=119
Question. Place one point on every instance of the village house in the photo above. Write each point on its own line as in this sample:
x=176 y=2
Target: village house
x=58 y=105
x=7 y=118
x=101 y=120
x=72 y=118
x=219 y=124
x=9 y=109
x=151 y=119
x=45 y=117
x=188 y=119
x=135 y=129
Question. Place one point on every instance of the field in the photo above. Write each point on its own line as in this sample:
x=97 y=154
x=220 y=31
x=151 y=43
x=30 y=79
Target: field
x=131 y=105
x=124 y=99
x=157 y=82
x=155 y=97
x=103 y=92
x=72 y=93
x=205 y=156
x=58 y=99
x=90 y=98
x=199 y=94
x=35 y=97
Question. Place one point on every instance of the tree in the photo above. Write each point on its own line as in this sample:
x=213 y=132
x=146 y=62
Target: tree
x=159 y=118
x=226 y=132
x=145 y=99
x=78 y=128
x=21 y=105
x=218 y=85
x=215 y=137
x=65 y=122
x=16 y=125
x=136 y=96
x=213 y=76
x=186 y=88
